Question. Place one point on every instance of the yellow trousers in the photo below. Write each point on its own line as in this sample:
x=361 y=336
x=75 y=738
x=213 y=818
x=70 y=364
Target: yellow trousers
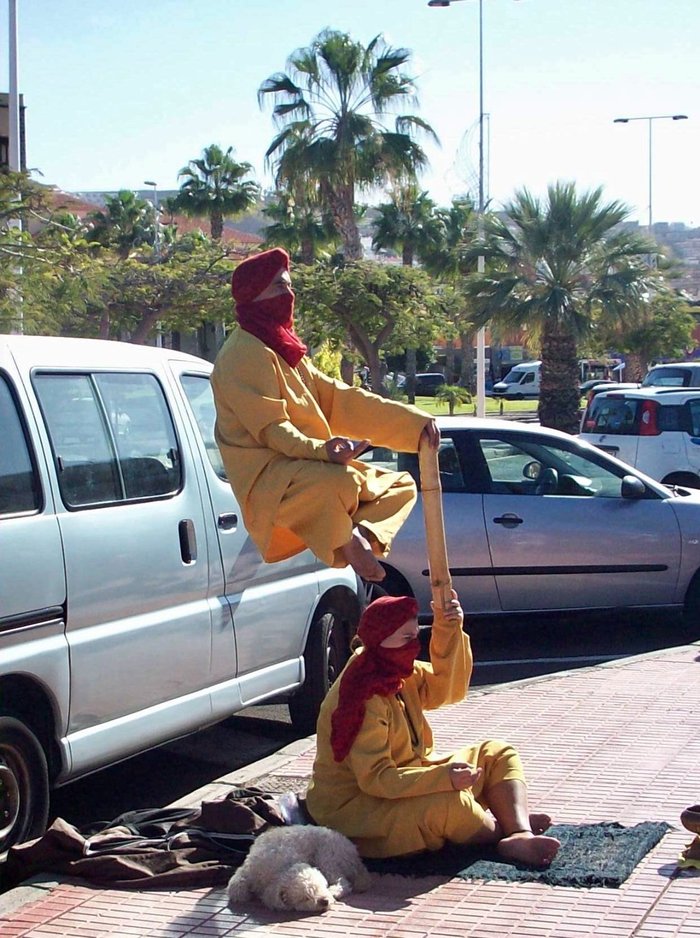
x=325 y=501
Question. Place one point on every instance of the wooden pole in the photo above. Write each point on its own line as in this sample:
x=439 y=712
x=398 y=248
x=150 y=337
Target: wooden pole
x=431 y=493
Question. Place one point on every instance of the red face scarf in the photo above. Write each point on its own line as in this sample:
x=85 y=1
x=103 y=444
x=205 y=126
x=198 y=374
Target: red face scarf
x=376 y=670
x=270 y=320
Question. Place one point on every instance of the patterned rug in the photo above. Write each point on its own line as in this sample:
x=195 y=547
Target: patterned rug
x=590 y=855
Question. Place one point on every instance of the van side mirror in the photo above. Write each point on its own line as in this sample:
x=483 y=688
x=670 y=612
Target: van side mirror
x=632 y=487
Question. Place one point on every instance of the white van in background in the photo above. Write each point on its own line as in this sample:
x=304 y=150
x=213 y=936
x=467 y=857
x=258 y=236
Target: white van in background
x=522 y=381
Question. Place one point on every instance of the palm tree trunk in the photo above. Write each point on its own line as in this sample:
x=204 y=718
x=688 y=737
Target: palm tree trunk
x=307 y=251
x=559 y=394
x=407 y=255
x=216 y=220
x=634 y=367
x=466 y=378
x=450 y=361
x=411 y=369
x=342 y=206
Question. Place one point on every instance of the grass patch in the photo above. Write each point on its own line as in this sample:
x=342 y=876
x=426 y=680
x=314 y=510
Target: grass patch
x=493 y=407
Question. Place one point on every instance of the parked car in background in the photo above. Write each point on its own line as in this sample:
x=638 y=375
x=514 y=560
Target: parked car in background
x=537 y=520
x=656 y=429
x=676 y=375
x=135 y=608
x=428 y=383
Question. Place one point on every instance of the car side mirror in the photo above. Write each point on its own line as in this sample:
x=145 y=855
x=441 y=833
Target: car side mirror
x=632 y=487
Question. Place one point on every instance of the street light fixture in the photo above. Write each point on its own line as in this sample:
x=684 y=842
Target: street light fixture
x=481 y=334
x=650 y=119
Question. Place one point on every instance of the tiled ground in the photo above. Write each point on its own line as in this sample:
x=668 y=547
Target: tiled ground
x=620 y=742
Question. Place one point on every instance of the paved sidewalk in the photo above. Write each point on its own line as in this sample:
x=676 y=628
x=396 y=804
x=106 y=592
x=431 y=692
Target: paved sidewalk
x=617 y=742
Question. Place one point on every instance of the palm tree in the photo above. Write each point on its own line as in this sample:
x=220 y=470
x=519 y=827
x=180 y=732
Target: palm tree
x=553 y=267
x=453 y=395
x=330 y=108
x=127 y=222
x=408 y=223
x=215 y=188
x=298 y=226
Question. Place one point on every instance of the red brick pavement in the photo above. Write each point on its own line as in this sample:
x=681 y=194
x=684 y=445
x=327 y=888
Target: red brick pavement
x=617 y=742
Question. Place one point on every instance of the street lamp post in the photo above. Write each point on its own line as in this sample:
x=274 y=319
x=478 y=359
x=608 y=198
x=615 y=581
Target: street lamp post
x=650 y=119
x=156 y=236
x=481 y=334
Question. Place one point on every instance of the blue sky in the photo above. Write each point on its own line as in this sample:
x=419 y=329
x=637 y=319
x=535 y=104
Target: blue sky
x=120 y=91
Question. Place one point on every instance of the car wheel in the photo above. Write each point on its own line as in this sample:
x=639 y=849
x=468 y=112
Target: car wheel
x=691 y=607
x=24 y=784
x=326 y=653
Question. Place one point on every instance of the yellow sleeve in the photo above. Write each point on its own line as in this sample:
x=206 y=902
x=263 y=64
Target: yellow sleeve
x=284 y=438
x=445 y=680
x=358 y=414
x=375 y=771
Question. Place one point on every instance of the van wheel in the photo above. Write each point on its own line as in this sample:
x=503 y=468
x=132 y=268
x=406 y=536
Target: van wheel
x=326 y=653
x=24 y=784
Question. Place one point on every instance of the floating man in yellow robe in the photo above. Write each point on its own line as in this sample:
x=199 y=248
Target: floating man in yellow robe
x=290 y=436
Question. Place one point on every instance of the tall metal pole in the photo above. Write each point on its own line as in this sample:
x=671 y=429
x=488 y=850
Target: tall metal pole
x=14 y=151
x=481 y=334
x=649 y=118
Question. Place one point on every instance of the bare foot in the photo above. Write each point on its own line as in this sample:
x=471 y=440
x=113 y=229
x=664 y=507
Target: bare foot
x=539 y=823
x=358 y=554
x=531 y=849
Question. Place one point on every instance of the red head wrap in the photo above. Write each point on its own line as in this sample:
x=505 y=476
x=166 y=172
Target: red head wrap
x=270 y=320
x=375 y=670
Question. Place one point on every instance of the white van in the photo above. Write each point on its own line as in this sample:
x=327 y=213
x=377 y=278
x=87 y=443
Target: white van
x=521 y=382
x=134 y=608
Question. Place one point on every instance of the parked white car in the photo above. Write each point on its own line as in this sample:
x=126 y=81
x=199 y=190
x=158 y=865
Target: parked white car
x=655 y=429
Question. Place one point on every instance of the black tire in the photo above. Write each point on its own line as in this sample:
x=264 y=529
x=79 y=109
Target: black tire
x=326 y=653
x=24 y=784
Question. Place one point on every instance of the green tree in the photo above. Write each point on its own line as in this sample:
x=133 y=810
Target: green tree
x=215 y=187
x=330 y=108
x=663 y=329
x=365 y=310
x=554 y=266
x=450 y=259
x=126 y=223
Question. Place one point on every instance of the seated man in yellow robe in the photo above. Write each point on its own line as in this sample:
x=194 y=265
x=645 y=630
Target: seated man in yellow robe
x=290 y=436
x=377 y=777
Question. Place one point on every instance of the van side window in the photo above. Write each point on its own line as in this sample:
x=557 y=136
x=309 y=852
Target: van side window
x=19 y=484
x=694 y=407
x=112 y=437
x=198 y=392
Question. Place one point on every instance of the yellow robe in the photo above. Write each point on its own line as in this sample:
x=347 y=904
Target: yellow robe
x=392 y=794
x=272 y=425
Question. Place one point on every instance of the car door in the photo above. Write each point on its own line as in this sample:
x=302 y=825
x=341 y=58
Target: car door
x=561 y=535
x=132 y=526
x=270 y=599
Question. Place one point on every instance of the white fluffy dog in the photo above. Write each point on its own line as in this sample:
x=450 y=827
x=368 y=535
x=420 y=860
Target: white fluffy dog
x=301 y=868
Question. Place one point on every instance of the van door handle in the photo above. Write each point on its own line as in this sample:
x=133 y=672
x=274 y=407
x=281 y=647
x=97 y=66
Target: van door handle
x=188 y=540
x=227 y=521
x=509 y=520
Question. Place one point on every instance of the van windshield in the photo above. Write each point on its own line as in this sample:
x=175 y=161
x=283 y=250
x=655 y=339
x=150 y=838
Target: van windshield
x=519 y=376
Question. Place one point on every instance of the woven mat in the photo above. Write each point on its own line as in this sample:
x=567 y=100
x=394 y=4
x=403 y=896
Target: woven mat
x=590 y=855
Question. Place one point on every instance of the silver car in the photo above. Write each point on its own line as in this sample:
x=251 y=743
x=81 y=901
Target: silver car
x=538 y=520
